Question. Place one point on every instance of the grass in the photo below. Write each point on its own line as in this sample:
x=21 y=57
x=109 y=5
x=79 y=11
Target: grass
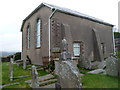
x=118 y=54
x=99 y=81
x=83 y=70
x=88 y=80
x=17 y=71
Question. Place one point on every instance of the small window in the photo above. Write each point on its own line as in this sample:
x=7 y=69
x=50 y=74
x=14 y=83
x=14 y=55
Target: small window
x=76 y=49
x=38 y=32
x=28 y=36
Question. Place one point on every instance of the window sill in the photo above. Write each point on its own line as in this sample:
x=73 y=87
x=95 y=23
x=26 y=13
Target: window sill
x=37 y=47
x=77 y=56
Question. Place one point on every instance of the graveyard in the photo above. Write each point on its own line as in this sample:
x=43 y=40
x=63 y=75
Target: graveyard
x=103 y=81
x=65 y=74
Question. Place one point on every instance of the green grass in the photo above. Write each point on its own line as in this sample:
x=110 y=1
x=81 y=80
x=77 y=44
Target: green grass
x=18 y=71
x=118 y=54
x=99 y=81
x=88 y=80
x=83 y=70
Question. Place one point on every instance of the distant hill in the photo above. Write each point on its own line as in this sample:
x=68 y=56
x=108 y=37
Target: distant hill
x=5 y=53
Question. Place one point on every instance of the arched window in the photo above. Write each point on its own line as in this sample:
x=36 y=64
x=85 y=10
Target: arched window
x=28 y=36
x=38 y=31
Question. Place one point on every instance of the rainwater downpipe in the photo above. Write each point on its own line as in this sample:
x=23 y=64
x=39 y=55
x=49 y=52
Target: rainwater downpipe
x=49 y=30
x=113 y=29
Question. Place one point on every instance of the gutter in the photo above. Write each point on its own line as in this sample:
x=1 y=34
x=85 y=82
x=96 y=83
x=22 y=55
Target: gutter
x=49 y=29
x=113 y=41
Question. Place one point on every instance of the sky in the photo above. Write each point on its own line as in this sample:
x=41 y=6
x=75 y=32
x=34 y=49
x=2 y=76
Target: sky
x=13 y=12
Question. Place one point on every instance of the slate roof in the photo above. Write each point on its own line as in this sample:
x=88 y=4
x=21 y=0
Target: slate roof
x=67 y=11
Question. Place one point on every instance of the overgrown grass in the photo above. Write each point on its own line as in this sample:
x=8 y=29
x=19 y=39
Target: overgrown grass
x=17 y=71
x=99 y=81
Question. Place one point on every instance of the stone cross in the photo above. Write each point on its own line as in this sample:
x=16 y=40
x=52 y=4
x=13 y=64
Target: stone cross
x=65 y=55
x=11 y=69
x=34 y=75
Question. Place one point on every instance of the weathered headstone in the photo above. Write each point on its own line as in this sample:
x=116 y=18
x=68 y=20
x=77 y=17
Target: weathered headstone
x=65 y=55
x=98 y=64
x=11 y=69
x=14 y=58
x=34 y=75
x=84 y=62
x=69 y=76
x=102 y=65
x=112 y=66
x=24 y=64
x=68 y=73
x=97 y=71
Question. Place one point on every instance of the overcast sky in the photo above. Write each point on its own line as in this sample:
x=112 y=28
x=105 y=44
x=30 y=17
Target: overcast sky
x=12 y=13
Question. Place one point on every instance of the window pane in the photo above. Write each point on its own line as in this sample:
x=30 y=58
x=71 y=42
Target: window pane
x=76 y=49
x=28 y=37
x=76 y=45
x=38 y=33
x=38 y=27
x=38 y=41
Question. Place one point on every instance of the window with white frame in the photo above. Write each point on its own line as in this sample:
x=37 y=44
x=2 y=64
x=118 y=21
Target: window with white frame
x=28 y=36
x=38 y=31
x=76 y=48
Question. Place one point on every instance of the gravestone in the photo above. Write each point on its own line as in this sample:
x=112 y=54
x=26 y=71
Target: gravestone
x=65 y=55
x=24 y=64
x=34 y=76
x=112 y=66
x=11 y=69
x=84 y=62
x=14 y=59
x=97 y=71
x=68 y=73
